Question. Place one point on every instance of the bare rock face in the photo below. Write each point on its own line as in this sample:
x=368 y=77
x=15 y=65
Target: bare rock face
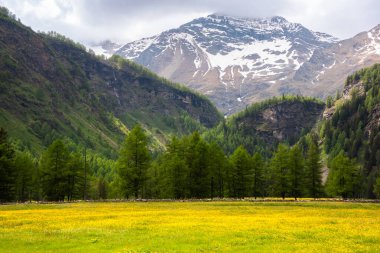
x=234 y=61
x=346 y=95
x=282 y=121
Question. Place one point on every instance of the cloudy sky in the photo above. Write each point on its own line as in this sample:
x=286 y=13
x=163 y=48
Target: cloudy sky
x=126 y=20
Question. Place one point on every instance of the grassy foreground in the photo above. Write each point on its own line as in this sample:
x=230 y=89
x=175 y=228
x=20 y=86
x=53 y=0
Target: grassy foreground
x=190 y=227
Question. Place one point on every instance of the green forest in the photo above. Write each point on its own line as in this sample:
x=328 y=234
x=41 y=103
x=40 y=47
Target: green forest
x=190 y=167
x=211 y=163
x=77 y=126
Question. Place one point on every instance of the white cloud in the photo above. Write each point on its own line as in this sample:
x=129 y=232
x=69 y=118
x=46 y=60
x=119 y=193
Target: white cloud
x=126 y=20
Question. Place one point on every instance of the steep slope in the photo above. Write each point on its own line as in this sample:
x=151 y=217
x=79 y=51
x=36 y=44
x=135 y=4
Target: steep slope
x=51 y=87
x=352 y=124
x=265 y=124
x=328 y=68
x=234 y=61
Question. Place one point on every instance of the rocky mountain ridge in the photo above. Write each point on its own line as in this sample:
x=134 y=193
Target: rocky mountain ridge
x=237 y=61
x=234 y=61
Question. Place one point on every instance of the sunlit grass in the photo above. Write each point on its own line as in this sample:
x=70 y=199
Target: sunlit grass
x=191 y=227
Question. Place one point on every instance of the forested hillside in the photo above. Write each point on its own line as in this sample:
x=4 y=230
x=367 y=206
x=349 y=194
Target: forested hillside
x=351 y=125
x=51 y=88
x=262 y=126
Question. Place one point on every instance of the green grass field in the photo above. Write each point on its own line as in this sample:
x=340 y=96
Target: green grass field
x=191 y=227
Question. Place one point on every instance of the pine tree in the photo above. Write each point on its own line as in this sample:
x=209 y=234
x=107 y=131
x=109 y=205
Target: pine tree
x=7 y=175
x=54 y=171
x=75 y=177
x=342 y=177
x=241 y=171
x=280 y=171
x=217 y=170
x=198 y=167
x=134 y=160
x=257 y=175
x=313 y=175
x=296 y=172
x=24 y=167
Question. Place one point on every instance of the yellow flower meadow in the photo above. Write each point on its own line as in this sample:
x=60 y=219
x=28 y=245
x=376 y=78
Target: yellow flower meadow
x=191 y=227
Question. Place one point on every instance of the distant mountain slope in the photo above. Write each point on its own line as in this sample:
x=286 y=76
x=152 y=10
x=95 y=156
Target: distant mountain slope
x=51 y=87
x=265 y=124
x=232 y=60
x=328 y=68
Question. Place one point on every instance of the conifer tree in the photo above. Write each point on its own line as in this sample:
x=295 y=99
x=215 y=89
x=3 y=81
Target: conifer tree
x=217 y=170
x=198 y=167
x=241 y=171
x=342 y=177
x=280 y=171
x=7 y=175
x=296 y=172
x=313 y=175
x=257 y=175
x=24 y=168
x=134 y=160
x=54 y=171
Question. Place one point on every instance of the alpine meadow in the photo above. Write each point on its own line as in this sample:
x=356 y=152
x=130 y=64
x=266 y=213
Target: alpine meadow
x=237 y=131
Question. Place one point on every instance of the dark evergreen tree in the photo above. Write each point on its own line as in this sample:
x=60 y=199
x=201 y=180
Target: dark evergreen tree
x=75 y=177
x=280 y=168
x=217 y=169
x=313 y=175
x=296 y=172
x=54 y=171
x=134 y=160
x=7 y=168
x=24 y=169
x=342 y=177
x=240 y=172
x=198 y=167
x=257 y=175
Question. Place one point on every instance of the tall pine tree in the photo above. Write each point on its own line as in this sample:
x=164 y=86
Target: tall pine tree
x=313 y=175
x=241 y=171
x=54 y=171
x=280 y=168
x=7 y=170
x=134 y=160
x=296 y=172
x=257 y=175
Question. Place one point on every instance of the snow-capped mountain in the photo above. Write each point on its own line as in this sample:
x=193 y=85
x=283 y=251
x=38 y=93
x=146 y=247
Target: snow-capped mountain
x=234 y=61
x=328 y=68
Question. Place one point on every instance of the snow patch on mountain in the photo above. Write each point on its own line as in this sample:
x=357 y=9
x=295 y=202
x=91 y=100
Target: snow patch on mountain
x=233 y=60
x=375 y=42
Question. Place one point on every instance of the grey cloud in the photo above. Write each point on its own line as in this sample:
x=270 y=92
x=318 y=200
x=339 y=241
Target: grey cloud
x=91 y=20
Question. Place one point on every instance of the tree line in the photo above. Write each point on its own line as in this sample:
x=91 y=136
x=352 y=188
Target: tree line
x=190 y=167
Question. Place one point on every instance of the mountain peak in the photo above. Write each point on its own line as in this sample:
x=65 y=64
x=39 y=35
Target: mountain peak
x=233 y=60
x=273 y=19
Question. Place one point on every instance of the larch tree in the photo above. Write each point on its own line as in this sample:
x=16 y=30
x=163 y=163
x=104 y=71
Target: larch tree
x=313 y=175
x=280 y=168
x=342 y=177
x=7 y=172
x=241 y=171
x=296 y=172
x=257 y=175
x=54 y=171
x=134 y=160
